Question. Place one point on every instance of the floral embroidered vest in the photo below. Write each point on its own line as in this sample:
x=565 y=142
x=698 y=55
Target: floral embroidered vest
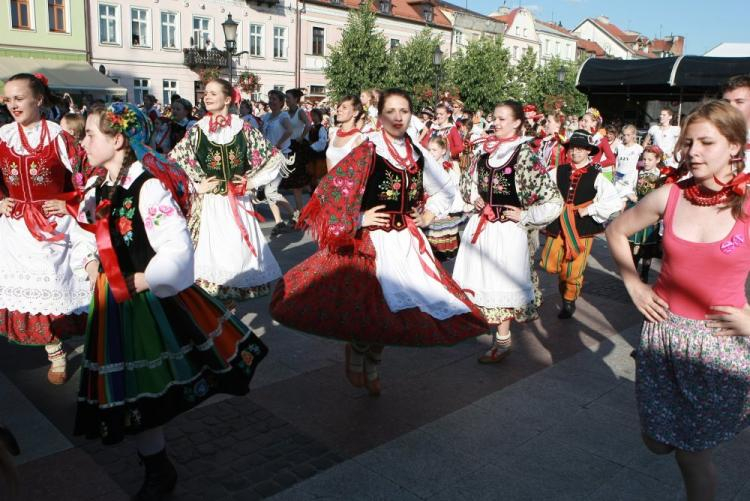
x=395 y=188
x=126 y=226
x=222 y=161
x=497 y=185
x=34 y=178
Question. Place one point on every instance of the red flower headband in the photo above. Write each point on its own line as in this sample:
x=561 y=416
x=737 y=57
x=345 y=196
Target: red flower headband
x=42 y=78
x=236 y=96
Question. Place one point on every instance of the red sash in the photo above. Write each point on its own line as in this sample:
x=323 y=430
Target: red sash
x=233 y=191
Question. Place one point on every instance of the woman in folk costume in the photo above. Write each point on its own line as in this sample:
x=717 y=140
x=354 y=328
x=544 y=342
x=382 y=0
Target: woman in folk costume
x=646 y=243
x=374 y=281
x=514 y=196
x=156 y=344
x=443 y=233
x=590 y=200
x=443 y=127
x=225 y=159
x=41 y=300
x=300 y=121
x=591 y=122
x=551 y=148
x=347 y=136
x=318 y=140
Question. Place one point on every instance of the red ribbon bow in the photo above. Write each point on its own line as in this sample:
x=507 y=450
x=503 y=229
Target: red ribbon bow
x=738 y=184
x=233 y=191
x=216 y=122
x=42 y=78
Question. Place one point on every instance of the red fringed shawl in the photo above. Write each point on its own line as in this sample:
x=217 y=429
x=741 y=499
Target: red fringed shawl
x=332 y=214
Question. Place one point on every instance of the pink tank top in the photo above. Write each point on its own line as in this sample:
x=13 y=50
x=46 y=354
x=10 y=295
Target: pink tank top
x=695 y=276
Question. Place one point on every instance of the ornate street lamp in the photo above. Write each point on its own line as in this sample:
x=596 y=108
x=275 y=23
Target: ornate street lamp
x=230 y=41
x=437 y=62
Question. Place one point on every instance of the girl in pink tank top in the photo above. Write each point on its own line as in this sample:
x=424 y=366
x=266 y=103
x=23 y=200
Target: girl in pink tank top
x=693 y=359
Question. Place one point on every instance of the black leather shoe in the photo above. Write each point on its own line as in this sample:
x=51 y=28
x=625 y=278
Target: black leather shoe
x=160 y=479
x=568 y=308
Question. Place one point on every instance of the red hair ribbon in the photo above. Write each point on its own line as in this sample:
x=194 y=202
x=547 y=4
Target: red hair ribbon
x=42 y=78
x=528 y=108
x=236 y=96
x=738 y=184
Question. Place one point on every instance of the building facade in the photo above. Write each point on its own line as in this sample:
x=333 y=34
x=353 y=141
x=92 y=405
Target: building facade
x=49 y=36
x=555 y=42
x=162 y=47
x=323 y=22
x=469 y=25
x=520 y=32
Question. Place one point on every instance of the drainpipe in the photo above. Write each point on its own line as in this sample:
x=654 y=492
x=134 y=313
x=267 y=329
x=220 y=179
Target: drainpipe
x=87 y=28
x=298 y=51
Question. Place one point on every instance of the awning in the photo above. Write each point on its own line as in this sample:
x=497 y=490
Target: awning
x=63 y=76
x=670 y=75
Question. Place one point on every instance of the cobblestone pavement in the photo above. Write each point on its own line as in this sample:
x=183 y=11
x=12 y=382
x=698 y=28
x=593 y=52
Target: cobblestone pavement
x=301 y=417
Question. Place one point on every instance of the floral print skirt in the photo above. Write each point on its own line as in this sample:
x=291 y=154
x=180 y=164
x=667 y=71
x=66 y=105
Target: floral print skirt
x=692 y=387
x=148 y=359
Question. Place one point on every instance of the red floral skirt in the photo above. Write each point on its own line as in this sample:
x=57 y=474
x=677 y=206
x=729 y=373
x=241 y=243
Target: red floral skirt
x=34 y=330
x=337 y=295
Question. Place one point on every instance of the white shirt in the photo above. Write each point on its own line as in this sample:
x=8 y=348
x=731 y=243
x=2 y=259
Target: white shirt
x=666 y=139
x=626 y=170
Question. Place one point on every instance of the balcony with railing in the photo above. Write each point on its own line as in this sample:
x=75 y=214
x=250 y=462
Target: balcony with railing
x=205 y=58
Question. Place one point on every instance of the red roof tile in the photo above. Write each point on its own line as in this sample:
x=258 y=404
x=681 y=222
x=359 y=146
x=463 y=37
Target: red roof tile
x=556 y=27
x=508 y=18
x=590 y=47
x=615 y=31
x=409 y=10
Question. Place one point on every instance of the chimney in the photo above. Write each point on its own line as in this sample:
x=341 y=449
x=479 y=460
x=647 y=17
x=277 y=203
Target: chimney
x=603 y=19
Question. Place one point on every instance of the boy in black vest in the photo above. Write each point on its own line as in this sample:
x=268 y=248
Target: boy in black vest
x=590 y=199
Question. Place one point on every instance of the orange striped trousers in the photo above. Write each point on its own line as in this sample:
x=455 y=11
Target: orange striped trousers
x=570 y=272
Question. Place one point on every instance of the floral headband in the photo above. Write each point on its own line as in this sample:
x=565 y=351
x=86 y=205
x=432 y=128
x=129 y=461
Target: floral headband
x=594 y=113
x=130 y=121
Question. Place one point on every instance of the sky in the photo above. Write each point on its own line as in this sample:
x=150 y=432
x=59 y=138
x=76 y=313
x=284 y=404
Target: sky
x=703 y=24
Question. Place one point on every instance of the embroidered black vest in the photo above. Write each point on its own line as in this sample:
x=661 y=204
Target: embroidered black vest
x=395 y=188
x=126 y=228
x=222 y=161
x=497 y=185
x=580 y=191
x=313 y=137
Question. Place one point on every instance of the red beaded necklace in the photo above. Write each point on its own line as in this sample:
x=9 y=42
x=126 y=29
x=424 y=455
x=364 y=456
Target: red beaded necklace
x=407 y=162
x=697 y=195
x=218 y=122
x=491 y=144
x=42 y=138
x=341 y=133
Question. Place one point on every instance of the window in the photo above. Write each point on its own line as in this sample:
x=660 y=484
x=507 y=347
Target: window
x=109 y=19
x=546 y=46
x=115 y=79
x=428 y=13
x=201 y=32
x=395 y=42
x=279 y=42
x=256 y=96
x=557 y=48
x=385 y=6
x=256 y=39
x=318 y=41
x=515 y=52
x=169 y=88
x=170 y=27
x=518 y=31
x=140 y=89
x=525 y=33
x=317 y=90
x=459 y=38
x=140 y=27
x=56 y=15
x=20 y=14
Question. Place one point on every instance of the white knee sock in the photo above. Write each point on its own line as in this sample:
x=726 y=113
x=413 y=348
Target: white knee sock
x=56 y=355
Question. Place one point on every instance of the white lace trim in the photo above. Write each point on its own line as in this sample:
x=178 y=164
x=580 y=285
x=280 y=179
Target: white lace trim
x=42 y=293
x=233 y=278
x=440 y=310
x=503 y=299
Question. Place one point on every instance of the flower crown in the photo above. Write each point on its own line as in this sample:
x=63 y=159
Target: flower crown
x=594 y=113
x=123 y=120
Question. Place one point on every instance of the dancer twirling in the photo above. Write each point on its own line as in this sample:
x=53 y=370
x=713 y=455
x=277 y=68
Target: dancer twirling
x=41 y=300
x=156 y=343
x=374 y=281
x=515 y=196
x=226 y=158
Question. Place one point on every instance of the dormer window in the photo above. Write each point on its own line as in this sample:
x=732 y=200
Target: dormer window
x=428 y=13
x=385 y=6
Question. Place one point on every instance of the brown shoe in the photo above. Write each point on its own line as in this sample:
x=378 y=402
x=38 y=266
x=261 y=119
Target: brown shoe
x=57 y=375
x=355 y=377
x=494 y=355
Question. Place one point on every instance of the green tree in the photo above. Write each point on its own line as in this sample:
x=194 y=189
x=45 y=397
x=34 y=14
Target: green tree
x=545 y=89
x=360 y=59
x=411 y=67
x=482 y=73
x=523 y=75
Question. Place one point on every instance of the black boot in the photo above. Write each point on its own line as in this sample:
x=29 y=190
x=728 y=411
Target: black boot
x=568 y=308
x=160 y=479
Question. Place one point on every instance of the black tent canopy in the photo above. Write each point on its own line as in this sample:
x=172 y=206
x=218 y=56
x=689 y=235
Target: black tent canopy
x=668 y=77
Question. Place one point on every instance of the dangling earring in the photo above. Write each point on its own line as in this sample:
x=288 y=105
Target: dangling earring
x=738 y=163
